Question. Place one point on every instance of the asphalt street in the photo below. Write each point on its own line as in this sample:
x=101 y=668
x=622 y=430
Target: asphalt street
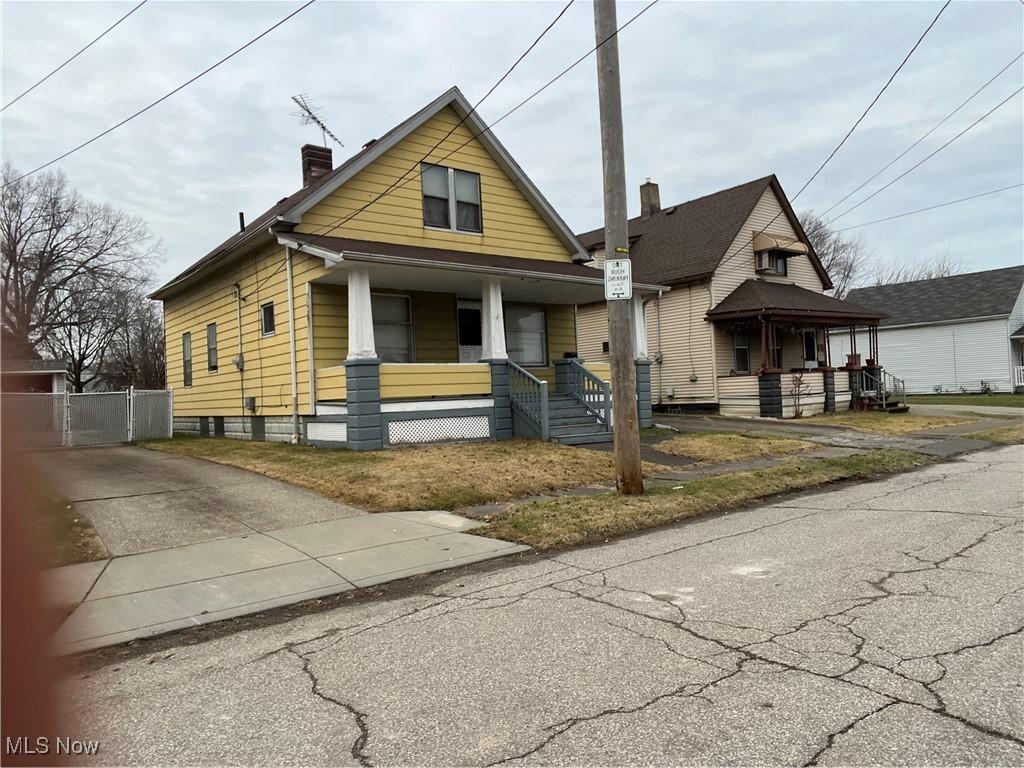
x=880 y=623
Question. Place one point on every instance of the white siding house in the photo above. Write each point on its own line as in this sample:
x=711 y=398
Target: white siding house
x=950 y=334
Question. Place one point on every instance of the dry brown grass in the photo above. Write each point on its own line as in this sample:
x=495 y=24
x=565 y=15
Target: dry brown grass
x=721 y=447
x=884 y=423
x=1001 y=435
x=574 y=520
x=421 y=477
x=70 y=534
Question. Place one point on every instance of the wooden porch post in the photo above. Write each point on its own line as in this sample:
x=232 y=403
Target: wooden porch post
x=828 y=347
x=764 y=343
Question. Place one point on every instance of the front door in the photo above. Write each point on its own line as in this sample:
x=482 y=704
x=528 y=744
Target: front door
x=470 y=331
x=810 y=348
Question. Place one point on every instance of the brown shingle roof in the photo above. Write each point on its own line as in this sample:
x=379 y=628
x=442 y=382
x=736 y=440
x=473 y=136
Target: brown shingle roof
x=687 y=241
x=757 y=297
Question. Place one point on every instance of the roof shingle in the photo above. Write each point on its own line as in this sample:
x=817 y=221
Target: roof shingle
x=754 y=297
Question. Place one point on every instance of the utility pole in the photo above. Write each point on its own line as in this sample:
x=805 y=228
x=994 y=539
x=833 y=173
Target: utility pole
x=628 y=473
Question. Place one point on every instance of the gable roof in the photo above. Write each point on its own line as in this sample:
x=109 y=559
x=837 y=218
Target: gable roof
x=760 y=297
x=288 y=211
x=958 y=297
x=688 y=241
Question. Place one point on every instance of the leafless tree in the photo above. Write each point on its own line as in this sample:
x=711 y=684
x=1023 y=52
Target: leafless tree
x=56 y=248
x=84 y=332
x=845 y=258
x=135 y=357
x=892 y=271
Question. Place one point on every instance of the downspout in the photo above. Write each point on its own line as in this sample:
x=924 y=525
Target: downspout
x=240 y=359
x=293 y=354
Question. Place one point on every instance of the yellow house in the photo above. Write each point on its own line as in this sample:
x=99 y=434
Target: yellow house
x=422 y=290
x=746 y=328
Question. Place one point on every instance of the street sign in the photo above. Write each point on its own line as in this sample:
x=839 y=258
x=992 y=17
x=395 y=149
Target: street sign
x=618 y=279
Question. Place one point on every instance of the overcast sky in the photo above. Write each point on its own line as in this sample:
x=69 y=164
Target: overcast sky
x=714 y=94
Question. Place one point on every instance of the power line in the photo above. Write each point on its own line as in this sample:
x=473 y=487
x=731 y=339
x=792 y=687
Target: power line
x=166 y=96
x=72 y=57
x=928 y=157
x=848 y=133
x=933 y=207
x=489 y=128
x=401 y=180
x=935 y=127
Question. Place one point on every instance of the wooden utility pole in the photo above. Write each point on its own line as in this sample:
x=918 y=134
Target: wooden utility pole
x=628 y=473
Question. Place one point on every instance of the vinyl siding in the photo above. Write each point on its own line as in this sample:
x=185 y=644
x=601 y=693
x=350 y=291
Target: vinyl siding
x=949 y=356
x=738 y=264
x=511 y=226
x=267 y=374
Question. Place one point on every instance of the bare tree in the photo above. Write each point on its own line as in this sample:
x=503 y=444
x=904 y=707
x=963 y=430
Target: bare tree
x=84 y=332
x=891 y=271
x=135 y=357
x=56 y=248
x=845 y=258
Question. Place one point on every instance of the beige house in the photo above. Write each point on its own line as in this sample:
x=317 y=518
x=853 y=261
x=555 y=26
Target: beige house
x=745 y=328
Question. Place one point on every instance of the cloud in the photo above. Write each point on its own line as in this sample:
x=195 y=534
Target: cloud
x=714 y=94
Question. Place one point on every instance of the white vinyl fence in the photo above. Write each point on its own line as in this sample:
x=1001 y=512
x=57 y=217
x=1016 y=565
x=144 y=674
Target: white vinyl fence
x=92 y=418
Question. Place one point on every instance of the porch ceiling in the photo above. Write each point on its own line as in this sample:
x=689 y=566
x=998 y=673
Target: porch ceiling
x=400 y=267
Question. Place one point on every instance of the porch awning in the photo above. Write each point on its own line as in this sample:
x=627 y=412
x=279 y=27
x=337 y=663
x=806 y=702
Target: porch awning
x=763 y=242
x=342 y=249
x=785 y=301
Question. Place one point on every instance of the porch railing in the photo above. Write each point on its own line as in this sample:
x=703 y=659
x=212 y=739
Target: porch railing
x=529 y=396
x=882 y=388
x=591 y=390
x=1018 y=376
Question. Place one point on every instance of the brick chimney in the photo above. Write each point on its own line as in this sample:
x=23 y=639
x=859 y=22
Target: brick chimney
x=650 y=198
x=316 y=162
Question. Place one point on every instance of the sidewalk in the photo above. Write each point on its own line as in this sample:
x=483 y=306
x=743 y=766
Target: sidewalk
x=159 y=591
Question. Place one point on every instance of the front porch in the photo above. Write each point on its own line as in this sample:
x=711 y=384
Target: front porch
x=774 y=342
x=406 y=348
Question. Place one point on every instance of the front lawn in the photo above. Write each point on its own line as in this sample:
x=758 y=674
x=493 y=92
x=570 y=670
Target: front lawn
x=574 y=520
x=420 y=477
x=1001 y=435
x=721 y=447
x=1003 y=400
x=889 y=423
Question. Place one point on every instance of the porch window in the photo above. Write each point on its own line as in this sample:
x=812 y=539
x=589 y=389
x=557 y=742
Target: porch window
x=186 y=359
x=392 y=327
x=451 y=199
x=211 y=347
x=741 y=349
x=526 y=334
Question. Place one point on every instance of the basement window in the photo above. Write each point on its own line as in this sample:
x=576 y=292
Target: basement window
x=451 y=199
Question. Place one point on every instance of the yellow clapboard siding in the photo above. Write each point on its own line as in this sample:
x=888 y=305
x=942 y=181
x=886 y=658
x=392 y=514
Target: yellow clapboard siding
x=330 y=383
x=561 y=330
x=410 y=380
x=600 y=369
x=518 y=229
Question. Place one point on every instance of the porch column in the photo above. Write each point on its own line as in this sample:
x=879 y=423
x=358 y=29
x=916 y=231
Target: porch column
x=492 y=319
x=360 y=316
x=769 y=394
x=364 y=428
x=639 y=329
x=643 y=393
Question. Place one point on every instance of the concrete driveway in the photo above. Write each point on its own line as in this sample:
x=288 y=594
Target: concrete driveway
x=194 y=542
x=881 y=623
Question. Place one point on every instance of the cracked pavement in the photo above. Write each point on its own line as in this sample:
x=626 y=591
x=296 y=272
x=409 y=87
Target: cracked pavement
x=880 y=623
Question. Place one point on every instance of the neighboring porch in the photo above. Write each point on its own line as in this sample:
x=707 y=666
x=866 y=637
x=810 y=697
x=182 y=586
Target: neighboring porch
x=1017 y=359
x=414 y=345
x=773 y=340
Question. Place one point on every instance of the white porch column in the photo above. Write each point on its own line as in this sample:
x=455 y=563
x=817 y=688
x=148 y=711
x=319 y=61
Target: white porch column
x=492 y=318
x=639 y=328
x=360 y=316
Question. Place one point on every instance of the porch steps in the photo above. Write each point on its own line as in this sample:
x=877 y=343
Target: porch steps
x=570 y=423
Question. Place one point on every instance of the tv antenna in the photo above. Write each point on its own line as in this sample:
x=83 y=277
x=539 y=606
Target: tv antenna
x=307 y=115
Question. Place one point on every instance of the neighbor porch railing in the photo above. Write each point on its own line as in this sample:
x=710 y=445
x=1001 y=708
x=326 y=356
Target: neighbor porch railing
x=1018 y=376
x=883 y=388
x=591 y=390
x=529 y=396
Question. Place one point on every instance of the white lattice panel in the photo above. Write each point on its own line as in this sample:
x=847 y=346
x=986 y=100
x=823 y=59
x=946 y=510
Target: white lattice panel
x=327 y=431
x=434 y=430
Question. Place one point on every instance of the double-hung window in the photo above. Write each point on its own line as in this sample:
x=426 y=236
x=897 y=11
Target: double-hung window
x=526 y=334
x=451 y=199
x=186 y=358
x=392 y=327
x=211 y=347
x=267 y=319
x=741 y=347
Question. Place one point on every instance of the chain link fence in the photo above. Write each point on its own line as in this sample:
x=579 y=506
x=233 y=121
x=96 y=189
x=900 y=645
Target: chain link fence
x=92 y=418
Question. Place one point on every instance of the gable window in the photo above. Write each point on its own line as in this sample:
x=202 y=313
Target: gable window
x=186 y=359
x=451 y=199
x=526 y=334
x=392 y=327
x=267 y=319
x=772 y=262
x=211 y=347
x=741 y=349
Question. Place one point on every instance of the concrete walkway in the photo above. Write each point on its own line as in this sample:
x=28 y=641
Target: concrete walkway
x=195 y=542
